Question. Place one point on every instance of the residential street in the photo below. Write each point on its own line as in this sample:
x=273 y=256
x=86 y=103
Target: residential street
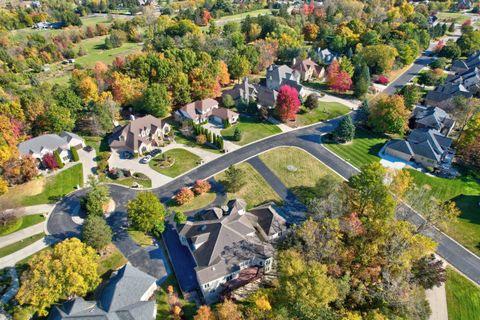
x=60 y=224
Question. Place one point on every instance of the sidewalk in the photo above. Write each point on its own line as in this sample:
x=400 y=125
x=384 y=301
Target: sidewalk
x=437 y=298
x=12 y=259
x=22 y=234
x=41 y=208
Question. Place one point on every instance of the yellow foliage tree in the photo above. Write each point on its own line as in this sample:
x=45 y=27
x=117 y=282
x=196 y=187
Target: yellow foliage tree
x=88 y=90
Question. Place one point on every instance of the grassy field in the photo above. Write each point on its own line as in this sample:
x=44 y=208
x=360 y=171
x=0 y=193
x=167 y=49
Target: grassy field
x=140 y=238
x=362 y=150
x=45 y=190
x=14 y=247
x=463 y=297
x=242 y=16
x=255 y=191
x=198 y=202
x=184 y=161
x=252 y=130
x=457 y=17
x=22 y=223
x=308 y=170
x=325 y=111
x=180 y=138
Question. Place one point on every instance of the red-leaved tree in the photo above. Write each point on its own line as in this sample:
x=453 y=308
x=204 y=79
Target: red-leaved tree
x=332 y=72
x=288 y=103
x=342 y=82
x=185 y=195
x=49 y=161
x=201 y=186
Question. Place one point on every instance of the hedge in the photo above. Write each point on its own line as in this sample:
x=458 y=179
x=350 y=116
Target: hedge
x=74 y=152
x=58 y=159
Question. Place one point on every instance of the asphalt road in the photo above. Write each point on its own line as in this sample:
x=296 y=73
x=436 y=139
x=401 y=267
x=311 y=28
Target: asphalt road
x=61 y=226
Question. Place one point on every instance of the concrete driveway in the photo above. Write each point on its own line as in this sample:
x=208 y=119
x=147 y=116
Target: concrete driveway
x=89 y=164
x=158 y=179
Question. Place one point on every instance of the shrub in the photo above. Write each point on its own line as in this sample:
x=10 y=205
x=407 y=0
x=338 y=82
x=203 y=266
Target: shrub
x=74 y=153
x=185 y=195
x=180 y=217
x=312 y=101
x=49 y=161
x=60 y=164
x=201 y=186
x=383 y=80
x=237 y=135
x=228 y=101
x=201 y=139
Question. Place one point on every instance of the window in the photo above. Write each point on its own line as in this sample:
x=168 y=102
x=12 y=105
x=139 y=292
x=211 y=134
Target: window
x=206 y=285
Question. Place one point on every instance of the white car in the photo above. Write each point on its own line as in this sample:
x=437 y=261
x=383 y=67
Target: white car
x=146 y=159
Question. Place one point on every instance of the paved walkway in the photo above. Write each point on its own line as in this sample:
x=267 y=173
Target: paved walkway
x=437 y=298
x=89 y=164
x=41 y=208
x=22 y=234
x=12 y=259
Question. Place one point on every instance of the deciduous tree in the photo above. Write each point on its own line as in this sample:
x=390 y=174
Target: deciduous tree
x=288 y=104
x=389 y=115
x=201 y=186
x=146 y=212
x=184 y=195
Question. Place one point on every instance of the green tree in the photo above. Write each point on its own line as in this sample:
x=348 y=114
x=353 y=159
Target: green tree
x=237 y=135
x=234 y=179
x=411 y=95
x=450 y=50
x=146 y=212
x=239 y=66
x=345 y=131
x=180 y=217
x=389 y=115
x=96 y=197
x=361 y=80
x=228 y=101
x=96 y=233
x=312 y=101
x=469 y=42
x=69 y=269
x=156 y=101
x=57 y=119
x=379 y=57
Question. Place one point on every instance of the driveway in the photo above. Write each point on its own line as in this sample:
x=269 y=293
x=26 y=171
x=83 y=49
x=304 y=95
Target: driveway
x=89 y=164
x=158 y=179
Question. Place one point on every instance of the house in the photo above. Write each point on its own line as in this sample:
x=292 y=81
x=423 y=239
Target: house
x=427 y=147
x=140 y=135
x=231 y=244
x=242 y=93
x=470 y=79
x=463 y=65
x=325 y=56
x=204 y=110
x=278 y=76
x=464 y=4
x=49 y=143
x=308 y=69
x=266 y=97
x=129 y=294
x=432 y=118
x=443 y=95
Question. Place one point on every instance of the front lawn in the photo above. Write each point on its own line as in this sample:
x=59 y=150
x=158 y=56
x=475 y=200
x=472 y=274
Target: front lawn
x=362 y=150
x=297 y=169
x=252 y=130
x=463 y=297
x=111 y=259
x=140 y=237
x=324 y=87
x=129 y=181
x=184 y=161
x=198 y=202
x=255 y=191
x=325 y=111
x=14 y=247
x=22 y=223
x=190 y=142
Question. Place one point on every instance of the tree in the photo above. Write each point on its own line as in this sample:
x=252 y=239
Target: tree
x=45 y=283
x=310 y=31
x=345 y=131
x=49 y=161
x=469 y=42
x=180 y=217
x=450 y=50
x=146 y=212
x=332 y=72
x=58 y=160
x=228 y=101
x=183 y=196
x=389 y=115
x=239 y=66
x=237 y=134
x=451 y=28
x=97 y=197
x=312 y=101
x=223 y=75
x=234 y=179
x=156 y=101
x=439 y=63
x=228 y=310
x=88 y=90
x=288 y=103
x=204 y=313
x=342 y=82
x=201 y=186
x=401 y=183
x=201 y=139
x=411 y=95
x=96 y=233
x=429 y=272
x=361 y=80
x=57 y=119
x=379 y=57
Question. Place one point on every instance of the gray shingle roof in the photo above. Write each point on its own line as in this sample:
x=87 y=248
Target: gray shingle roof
x=50 y=142
x=131 y=132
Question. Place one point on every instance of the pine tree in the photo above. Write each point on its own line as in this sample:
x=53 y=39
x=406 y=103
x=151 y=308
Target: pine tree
x=237 y=135
x=451 y=28
x=345 y=131
x=361 y=80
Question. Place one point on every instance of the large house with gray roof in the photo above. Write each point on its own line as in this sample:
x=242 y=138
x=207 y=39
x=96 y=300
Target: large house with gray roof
x=432 y=118
x=206 y=110
x=278 y=76
x=444 y=94
x=229 y=243
x=38 y=147
x=129 y=294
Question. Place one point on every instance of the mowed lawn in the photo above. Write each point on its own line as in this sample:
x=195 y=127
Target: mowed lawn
x=297 y=169
x=252 y=130
x=198 y=202
x=463 y=297
x=184 y=161
x=255 y=191
x=457 y=17
x=22 y=223
x=325 y=111
x=14 y=247
x=362 y=150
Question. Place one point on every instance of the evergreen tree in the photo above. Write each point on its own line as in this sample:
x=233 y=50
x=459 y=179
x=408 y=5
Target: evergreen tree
x=451 y=28
x=237 y=135
x=96 y=233
x=345 y=130
x=361 y=80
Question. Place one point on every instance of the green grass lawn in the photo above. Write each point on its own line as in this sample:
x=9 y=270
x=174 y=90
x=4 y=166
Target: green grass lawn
x=457 y=17
x=128 y=181
x=243 y=15
x=252 y=130
x=180 y=138
x=325 y=111
x=140 y=237
x=14 y=247
x=184 y=161
x=112 y=260
x=308 y=170
x=255 y=191
x=463 y=297
x=322 y=86
x=22 y=223
x=362 y=150
x=198 y=202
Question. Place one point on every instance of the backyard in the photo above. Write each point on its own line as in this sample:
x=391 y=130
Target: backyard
x=252 y=130
x=463 y=297
x=325 y=111
x=175 y=162
x=255 y=190
x=297 y=169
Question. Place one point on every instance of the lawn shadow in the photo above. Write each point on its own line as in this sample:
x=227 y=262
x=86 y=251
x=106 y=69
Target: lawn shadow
x=469 y=207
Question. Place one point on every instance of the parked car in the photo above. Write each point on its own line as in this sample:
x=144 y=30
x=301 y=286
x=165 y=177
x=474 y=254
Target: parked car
x=88 y=148
x=126 y=155
x=146 y=159
x=154 y=152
